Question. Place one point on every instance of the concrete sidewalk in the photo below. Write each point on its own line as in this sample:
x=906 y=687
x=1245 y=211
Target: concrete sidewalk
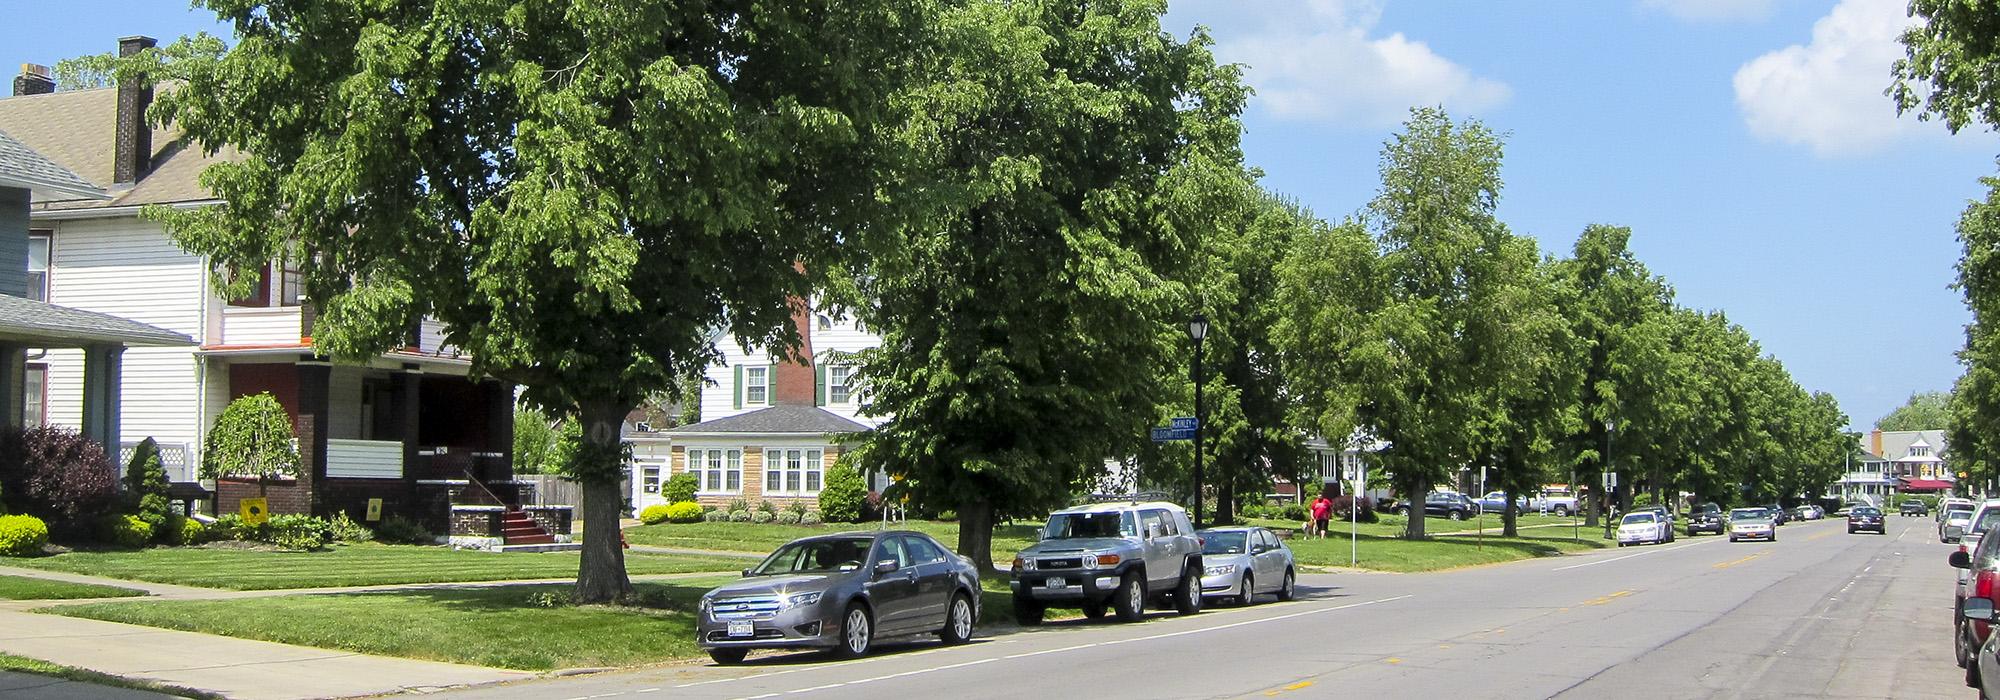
x=238 y=668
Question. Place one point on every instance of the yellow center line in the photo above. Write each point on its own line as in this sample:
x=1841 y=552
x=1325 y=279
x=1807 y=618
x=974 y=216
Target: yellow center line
x=1727 y=564
x=1295 y=686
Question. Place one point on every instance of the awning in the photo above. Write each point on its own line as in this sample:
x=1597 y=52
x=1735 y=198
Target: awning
x=1926 y=485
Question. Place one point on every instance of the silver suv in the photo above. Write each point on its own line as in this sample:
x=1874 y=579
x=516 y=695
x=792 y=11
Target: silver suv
x=1115 y=555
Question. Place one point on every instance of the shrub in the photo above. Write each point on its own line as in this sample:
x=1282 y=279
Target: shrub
x=680 y=487
x=683 y=512
x=950 y=516
x=788 y=517
x=232 y=527
x=812 y=517
x=738 y=504
x=346 y=530
x=842 y=498
x=252 y=437
x=767 y=507
x=185 y=532
x=715 y=516
x=300 y=532
x=22 y=535
x=653 y=514
x=796 y=506
x=401 y=530
x=56 y=474
x=762 y=516
x=1295 y=511
x=124 y=531
x=739 y=516
x=1343 y=509
x=146 y=485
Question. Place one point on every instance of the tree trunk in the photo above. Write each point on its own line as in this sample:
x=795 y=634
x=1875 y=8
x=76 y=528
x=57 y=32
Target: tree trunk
x=1589 y=502
x=1225 y=498
x=1508 y=515
x=600 y=576
x=975 y=534
x=1414 y=529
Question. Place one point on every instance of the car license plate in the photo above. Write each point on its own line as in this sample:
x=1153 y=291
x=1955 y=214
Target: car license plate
x=742 y=628
x=1056 y=582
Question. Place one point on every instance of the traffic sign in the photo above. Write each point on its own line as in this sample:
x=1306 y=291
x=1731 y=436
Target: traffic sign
x=1611 y=480
x=1184 y=423
x=1170 y=434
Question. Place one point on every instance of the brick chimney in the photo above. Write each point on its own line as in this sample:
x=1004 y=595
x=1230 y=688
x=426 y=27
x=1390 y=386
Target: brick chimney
x=33 y=80
x=1875 y=443
x=134 y=144
x=794 y=383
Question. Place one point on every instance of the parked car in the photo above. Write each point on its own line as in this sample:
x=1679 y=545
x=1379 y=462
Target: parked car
x=1706 y=517
x=1980 y=570
x=1865 y=518
x=1445 y=504
x=1242 y=562
x=1779 y=515
x=1953 y=521
x=1644 y=527
x=1912 y=506
x=1982 y=661
x=1949 y=502
x=842 y=592
x=1559 y=503
x=1752 y=523
x=1666 y=516
x=1110 y=554
x=1496 y=502
x=1811 y=512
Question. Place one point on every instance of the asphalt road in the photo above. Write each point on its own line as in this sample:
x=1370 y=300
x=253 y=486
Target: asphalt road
x=1819 y=613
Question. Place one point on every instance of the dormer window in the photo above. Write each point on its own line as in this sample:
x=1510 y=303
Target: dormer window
x=39 y=244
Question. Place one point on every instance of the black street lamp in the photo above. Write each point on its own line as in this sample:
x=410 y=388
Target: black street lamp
x=1198 y=330
x=1610 y=426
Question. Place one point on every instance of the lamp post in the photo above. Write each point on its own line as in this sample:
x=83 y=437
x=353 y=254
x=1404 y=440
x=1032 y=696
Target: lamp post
x=1198 y=331
x=1610 y=426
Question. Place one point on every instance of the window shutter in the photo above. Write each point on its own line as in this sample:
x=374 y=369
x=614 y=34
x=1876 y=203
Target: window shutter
x=771 y=384
x=819 y=386
x=739 y=386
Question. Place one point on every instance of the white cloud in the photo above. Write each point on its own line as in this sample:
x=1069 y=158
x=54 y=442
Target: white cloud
x=1713 y=10
x=1317 y=61
x=1827 y=94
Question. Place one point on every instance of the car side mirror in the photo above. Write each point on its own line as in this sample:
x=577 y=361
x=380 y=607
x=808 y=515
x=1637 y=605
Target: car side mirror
x=1960 y=560
x=746 y=573
x=1978 y=609
x=886 y=566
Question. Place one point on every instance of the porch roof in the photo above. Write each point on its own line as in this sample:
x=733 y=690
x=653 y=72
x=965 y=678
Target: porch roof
x=41 y=324
x=776 y=420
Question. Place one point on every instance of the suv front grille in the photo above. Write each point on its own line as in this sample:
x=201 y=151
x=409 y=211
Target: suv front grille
x=1063 y=563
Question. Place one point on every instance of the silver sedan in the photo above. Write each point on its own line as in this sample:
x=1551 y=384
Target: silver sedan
x=1243 y=562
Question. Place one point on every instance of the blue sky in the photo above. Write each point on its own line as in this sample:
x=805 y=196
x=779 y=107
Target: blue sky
x=1744 y=141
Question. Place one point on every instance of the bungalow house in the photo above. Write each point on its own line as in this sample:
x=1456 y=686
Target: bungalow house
x=410 y=428
x=1916 y=459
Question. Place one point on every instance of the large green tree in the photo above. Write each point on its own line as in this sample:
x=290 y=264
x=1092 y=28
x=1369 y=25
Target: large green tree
x=580 y=192
x=1951 y=64
x=1925 y=410
x=1616 y=309
x=1974 y=425
x=1061 y=169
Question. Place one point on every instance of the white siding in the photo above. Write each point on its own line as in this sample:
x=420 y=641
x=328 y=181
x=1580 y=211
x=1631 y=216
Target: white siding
x=251 y=325
x=718 y=396
x=364 y=459
x=128 y=268
x=430 y=338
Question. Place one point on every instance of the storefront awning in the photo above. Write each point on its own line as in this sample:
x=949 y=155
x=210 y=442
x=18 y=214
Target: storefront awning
x=1926 y=485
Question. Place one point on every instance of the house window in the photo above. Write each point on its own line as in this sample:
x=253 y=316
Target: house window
x=793 y=472
x=757 y=385
x=716 y=471
x=37 y=395
x=649 y=477
x=38 y=265
x=837 y=379
x=291 y=283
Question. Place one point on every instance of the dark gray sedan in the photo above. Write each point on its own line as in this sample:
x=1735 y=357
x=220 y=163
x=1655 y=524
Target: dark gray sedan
x=842 y=592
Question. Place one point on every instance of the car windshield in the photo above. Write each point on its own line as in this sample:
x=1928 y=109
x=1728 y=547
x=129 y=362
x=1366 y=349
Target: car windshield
x=1708 y=508
x=1957 y=513
x=1063 y=526
x=1987 y=519
x=1749 y=514
x=1223 y=542
x=1646 y=518
x=1866 y=511
x=819 y=556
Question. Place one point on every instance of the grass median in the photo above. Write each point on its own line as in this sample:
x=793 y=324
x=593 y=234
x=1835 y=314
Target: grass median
x=30 y=588
x=764 y=537
x=364 y=564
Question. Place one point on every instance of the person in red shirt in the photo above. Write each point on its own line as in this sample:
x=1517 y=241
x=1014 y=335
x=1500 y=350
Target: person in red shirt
x=1322 y=513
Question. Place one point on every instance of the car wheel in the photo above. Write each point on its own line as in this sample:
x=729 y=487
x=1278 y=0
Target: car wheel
x=1403 y=511
x=1959 y=645
x=1732 y=538
x=1455 y=515
x=857 y=631
x=958 y=624
x=1562 y=512
x=1850 y=531
x=1094 y=611
x=1249 y=596
x=1285 y=591
x=1028 y=613
x=1129 y=602
x=728 y=657
x=1187 y=598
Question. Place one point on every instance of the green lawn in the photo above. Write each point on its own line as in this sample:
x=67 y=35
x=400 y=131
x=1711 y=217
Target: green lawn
x=1386 y=552
x=28 y=588
x=347 y=565
x=512 y=627
x=22 y=664
x=750 y=537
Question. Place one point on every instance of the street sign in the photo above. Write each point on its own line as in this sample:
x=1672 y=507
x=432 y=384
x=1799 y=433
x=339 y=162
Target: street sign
x=1170 y=434
x=1610 y=480
x=1184 y=423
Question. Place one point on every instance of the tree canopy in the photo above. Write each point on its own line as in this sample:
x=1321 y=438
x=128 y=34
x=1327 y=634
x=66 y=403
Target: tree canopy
x=1925 y=410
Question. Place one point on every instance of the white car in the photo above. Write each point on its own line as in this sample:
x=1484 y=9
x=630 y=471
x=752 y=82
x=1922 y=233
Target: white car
x=1752 y=523
x=1644 y=527
x=1811 y=512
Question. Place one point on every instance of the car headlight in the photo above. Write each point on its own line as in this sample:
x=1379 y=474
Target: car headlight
x=802 y=599
x=707 y=605
x=1096 y=561
x=1221 y=570
x=1026 y=563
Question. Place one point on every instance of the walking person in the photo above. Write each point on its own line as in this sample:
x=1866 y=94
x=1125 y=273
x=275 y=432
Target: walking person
x=1322 y=513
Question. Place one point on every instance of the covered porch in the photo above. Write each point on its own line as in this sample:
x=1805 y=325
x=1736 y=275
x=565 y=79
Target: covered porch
x=28 y=326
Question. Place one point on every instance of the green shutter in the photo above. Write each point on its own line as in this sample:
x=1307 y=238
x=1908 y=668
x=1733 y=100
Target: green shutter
x=819 y=386
x=739 y=386
x=771 y=384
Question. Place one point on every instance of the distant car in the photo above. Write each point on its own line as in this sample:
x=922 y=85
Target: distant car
x=1241 y=563
x=1496 y=502
x=842 y=592
x=1779 y=515
x=1913 y=507
x=1706 y=517
x=1444 y=504
x=1752 y=523
x=1811 y=512
x=1865 y=518
x=1644 y=527
x=1953 y=521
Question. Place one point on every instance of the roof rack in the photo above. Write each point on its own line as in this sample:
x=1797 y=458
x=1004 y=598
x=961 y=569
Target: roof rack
x=1133 y=497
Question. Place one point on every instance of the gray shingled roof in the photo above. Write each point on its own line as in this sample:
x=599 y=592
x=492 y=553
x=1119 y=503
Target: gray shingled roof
x=21 y=166
x=804 y=420
x=77 y=129
x=48 y=325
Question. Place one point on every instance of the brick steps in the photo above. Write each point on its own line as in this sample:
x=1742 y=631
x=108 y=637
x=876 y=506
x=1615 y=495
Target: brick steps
x=516 y=528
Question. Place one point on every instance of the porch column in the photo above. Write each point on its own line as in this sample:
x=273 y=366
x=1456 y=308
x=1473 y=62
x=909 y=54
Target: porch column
x=102 y=367
x=409 y=402
x=500 y=423
x=13 y=385
x=315 y=409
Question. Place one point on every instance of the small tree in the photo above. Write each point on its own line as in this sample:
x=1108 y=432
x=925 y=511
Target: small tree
x=845 y=493
x=680 y=488
x=534 y=438
x=252 y=437
x=146 y=484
